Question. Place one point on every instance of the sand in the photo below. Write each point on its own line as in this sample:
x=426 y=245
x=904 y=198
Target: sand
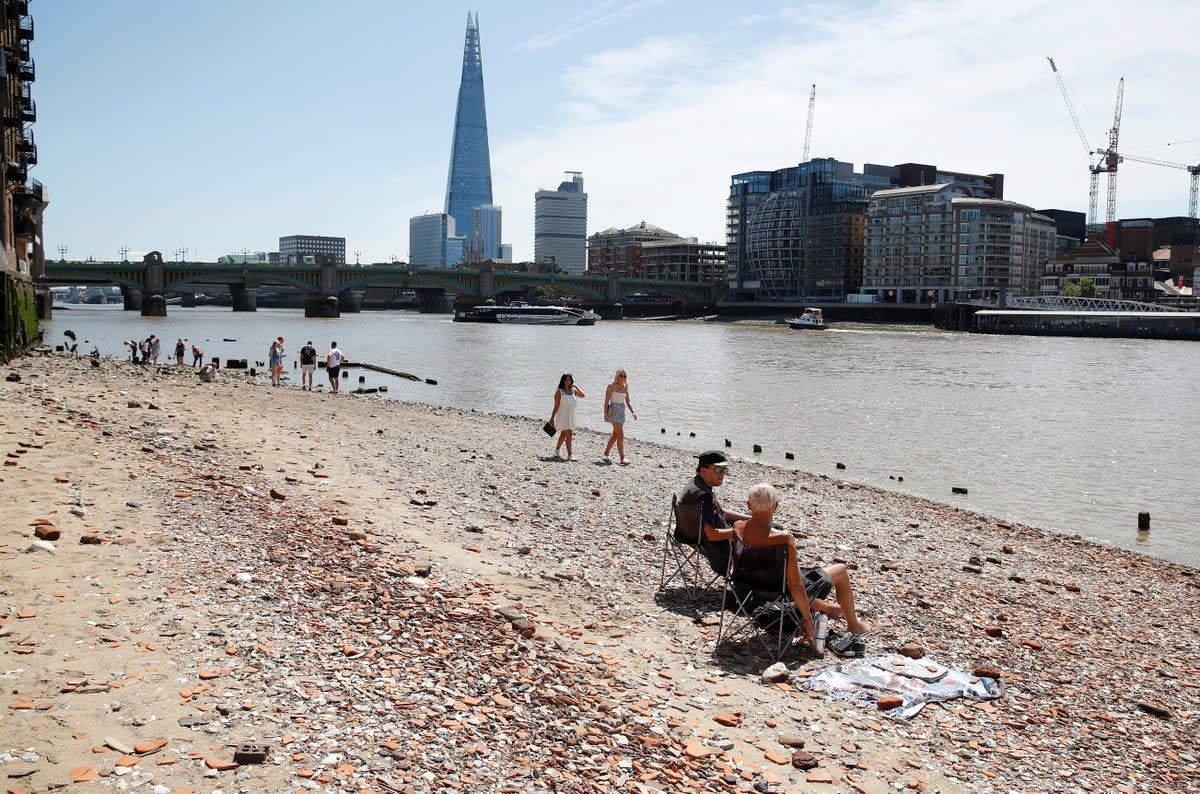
x=350 y=593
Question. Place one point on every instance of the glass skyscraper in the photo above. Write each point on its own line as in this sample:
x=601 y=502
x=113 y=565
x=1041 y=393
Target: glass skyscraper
x=470 y=182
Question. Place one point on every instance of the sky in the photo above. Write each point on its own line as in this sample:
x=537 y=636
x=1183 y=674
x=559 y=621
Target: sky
x=220 y=126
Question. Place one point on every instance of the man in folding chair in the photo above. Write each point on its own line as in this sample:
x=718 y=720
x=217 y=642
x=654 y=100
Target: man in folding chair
x=701 y=528
x=758 y=541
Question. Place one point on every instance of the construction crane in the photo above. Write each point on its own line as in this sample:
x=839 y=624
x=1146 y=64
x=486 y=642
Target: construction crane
x=1189 y=140
x=1111 y=160
x=812 y=104
x=1094 y=169
x=1193 y=170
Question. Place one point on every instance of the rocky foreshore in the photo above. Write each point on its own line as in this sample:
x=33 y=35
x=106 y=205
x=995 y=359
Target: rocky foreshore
x=229 y=587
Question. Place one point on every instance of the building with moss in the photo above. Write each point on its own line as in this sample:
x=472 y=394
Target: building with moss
x=22 y=199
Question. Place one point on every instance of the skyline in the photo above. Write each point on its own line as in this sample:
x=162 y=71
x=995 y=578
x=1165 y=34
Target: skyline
x=175 y=127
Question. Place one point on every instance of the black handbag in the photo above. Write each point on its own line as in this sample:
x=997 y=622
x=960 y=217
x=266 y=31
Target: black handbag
x=548 y=428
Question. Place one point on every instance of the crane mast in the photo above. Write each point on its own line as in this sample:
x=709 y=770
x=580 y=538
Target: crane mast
x=812 y=103
x=1111 y=160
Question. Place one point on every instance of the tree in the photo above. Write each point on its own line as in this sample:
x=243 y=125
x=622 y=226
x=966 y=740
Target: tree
x=1087 y=288
x=1070 y=290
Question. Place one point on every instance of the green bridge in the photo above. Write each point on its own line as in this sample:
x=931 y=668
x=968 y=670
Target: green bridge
x=333 y=288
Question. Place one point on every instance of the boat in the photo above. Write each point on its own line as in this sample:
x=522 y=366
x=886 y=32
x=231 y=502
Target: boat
x=810 y=320
x=523 y=313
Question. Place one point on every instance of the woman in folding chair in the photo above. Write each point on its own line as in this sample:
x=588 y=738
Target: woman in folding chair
x=754 y=541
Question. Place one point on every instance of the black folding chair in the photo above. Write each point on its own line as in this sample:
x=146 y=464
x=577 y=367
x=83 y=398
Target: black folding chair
x=684 y=563
x=757 y=605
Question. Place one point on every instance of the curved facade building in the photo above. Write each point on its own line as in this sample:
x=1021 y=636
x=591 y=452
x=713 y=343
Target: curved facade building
x=470 y=182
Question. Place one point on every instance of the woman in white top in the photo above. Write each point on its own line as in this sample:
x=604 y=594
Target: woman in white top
x=616 y=398
x=563 y=415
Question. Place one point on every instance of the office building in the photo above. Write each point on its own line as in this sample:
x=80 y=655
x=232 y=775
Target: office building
x=940 y=243
x=648 y=251
x=22 y=200
x=294 y=248
x=796 y=234
x=432 y=241
x=683 y=260
x=469 y=184
x=486 y=227
x=560 y=225
x=618 y=252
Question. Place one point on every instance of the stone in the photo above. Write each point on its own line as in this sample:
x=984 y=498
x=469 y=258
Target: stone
x=804 y=760
x=911 y=650
x=278 y=494
x=730 y=719
x=41 y=545
x=888 y=702
x=776 y=673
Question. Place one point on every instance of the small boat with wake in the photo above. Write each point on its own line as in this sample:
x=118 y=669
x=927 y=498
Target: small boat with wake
x=810 y=320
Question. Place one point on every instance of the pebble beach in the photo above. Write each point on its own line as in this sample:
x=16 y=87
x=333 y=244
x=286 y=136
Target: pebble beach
x=229 y=587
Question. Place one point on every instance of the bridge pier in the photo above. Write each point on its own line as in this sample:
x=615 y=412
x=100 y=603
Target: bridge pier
x=187 y=300
x=435 y=301
x=350 y=301
x=132 y=298
x=245 y=299
x=322 y=306
x=154 y=306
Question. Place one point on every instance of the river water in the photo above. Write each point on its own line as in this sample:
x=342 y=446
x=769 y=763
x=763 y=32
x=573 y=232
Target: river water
x=1074 y=435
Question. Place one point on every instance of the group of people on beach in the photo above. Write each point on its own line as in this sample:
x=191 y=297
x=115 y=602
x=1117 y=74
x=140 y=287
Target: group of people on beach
x=308 y=364
x=616 y=400
x=146 y=351
x=764 y=550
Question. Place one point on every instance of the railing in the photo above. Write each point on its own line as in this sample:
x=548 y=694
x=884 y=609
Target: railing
x=1062 y=303
x=25 y=27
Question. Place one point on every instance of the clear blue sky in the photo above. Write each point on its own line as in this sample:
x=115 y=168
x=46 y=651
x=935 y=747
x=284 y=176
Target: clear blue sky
x=223 y=125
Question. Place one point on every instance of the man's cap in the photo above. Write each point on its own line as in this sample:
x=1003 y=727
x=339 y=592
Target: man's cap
x=713 y=458
x=281 y=339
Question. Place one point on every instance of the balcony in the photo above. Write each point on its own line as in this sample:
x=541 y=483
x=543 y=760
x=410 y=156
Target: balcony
x=27 y=149
x=15 y=171
x=26 y=71
x=25 y=28
x=26 y=107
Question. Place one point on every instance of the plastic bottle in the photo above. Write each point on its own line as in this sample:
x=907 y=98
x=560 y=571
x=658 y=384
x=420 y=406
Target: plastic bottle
x=820 y=632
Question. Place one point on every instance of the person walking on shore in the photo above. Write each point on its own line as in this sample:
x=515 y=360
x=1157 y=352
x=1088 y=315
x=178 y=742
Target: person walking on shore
x=155 y=349
x=563 y=415
x=179 y=352
x=308 y=363
x=197 y=355
x=275 y=361
x=616 y=399
x=333 y=366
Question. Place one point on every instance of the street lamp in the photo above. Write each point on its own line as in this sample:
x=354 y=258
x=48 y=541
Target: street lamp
x=124 y=252
x=62 y=253
x=357 y=254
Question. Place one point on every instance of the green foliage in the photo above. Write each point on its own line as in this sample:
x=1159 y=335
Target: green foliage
x=1087 y=288
x=1070 y=290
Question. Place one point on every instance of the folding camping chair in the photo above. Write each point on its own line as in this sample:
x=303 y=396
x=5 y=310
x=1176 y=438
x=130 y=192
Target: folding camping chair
x=684 y=563
x=757 y=604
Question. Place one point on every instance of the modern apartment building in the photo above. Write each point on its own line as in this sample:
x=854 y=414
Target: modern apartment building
x=560 y=225
x=469 y=184
x=22 y=200
x=294 y=248
x=432 y=241
x=940 y=243
x=797 y=233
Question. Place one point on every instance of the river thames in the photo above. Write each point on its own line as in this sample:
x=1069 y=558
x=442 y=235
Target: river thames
x=1073 y=435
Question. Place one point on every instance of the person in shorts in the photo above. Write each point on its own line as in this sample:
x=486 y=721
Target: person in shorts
x=275 y=360
x=308 y=363
x=333 y=366
x=756 y=541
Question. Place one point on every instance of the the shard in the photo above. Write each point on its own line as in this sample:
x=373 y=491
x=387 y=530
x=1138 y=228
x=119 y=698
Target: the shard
x=470 y=182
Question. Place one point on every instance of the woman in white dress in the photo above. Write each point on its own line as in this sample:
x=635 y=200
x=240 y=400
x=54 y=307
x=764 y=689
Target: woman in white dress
x=563 y=415
x=616 y=399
